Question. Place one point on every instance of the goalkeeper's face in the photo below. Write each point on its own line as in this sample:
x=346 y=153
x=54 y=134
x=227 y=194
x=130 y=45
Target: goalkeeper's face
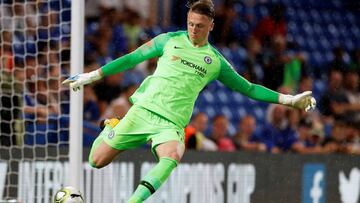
x=199 y=26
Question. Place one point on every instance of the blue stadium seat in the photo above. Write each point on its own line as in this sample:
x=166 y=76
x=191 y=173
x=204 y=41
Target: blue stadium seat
x=240 y=111
x=324 y=44
x=308 y=29
x=250 y=102
x=355 y=30
x=293 y=27
x=315 y=16
x=91 y=28
x=326 y=16
x=318 y=30
x=237 y=98
x=225 y=110
x=231 y=129
x=196 y=110
x=316 y=58
x=337 y=17
x=319 y=88
x=349 y=45
x=208 y=96
x=258 y=113
x=200 y=99
x=210 y=111
x=300 y=40
x=260 y=11
x=222 y=96
x=344 y=31
x=350 y=18
x=259 y=128
x=312 y=45
x=328 y=56
x=225 y=51
x=304 y=16
x=240 y=29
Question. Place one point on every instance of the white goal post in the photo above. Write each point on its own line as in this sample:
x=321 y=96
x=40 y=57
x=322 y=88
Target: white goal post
x=76 y=99
x=41 y=121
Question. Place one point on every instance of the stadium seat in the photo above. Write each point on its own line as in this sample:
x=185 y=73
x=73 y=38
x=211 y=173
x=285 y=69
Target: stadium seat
x=241 y=112
x=237 y=98
x=208 y=96
x=319 y=87
x=222 y=97
x=210 y=111
x=225 y=110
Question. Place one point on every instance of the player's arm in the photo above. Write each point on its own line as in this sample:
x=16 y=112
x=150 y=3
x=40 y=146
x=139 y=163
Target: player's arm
x=151 y=49
x=230 y=78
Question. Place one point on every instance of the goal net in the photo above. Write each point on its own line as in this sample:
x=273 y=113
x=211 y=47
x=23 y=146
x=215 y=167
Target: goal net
x=34 y=107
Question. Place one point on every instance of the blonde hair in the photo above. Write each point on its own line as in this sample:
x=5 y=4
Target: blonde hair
x=203 y=7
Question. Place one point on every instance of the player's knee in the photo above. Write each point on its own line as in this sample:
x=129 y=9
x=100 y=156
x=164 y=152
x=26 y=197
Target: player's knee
x=175 y=156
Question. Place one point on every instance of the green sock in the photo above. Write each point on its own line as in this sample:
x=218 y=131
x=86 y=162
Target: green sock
x=153 y=179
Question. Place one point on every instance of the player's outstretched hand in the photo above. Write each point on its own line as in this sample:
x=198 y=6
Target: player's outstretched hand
x=304 y=101
x=77 y=81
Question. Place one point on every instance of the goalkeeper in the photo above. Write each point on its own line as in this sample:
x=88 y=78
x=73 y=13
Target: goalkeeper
x=164 y=101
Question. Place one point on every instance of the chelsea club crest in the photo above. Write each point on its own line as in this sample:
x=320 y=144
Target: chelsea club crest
x=207 y=59
x=111 y=134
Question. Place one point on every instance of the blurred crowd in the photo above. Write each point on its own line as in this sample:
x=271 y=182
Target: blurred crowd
x=35 y=57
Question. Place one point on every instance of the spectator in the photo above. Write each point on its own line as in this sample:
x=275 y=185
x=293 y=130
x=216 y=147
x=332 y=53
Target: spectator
x=310 y=136
x=317 y=134
x=337 y=141
x=345 y=104
x=103 y=46
x=91 y=109
x=280 y=66
x=306 y=84
x=195 y=134
x=119 y=106
x=353 y=137
x=225 y=15
x=105 y=97
x=293 y=117
x=144 y=8
x=6 y=53
x=10 y=102
x=7 y=100
x=272 y=25
x=200 y=122
x=92 y=10
x=277 y=134
x=243 y=139
x=341 y=60
x=103 y=43
x=355 y=61
x=219 y=134
x=132 y=29
x=334 y=96
x=91 y=117
x=54 y=78
x=41 y=104
x=37 y=112
x=253 y=64
x=351 y=85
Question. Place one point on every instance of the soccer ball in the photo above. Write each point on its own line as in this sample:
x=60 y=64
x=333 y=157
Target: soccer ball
x=68 y=195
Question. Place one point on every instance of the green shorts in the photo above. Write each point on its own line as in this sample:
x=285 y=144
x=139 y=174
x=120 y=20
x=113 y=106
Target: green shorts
x=138 y=127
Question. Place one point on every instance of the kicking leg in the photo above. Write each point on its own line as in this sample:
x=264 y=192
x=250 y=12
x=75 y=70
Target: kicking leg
x=169 y=153
x=102 y=154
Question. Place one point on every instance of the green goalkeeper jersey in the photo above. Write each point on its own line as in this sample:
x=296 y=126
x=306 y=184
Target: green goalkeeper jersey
x=182 y=72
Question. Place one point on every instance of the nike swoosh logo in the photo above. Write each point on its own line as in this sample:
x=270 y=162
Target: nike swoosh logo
x=176 y=47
